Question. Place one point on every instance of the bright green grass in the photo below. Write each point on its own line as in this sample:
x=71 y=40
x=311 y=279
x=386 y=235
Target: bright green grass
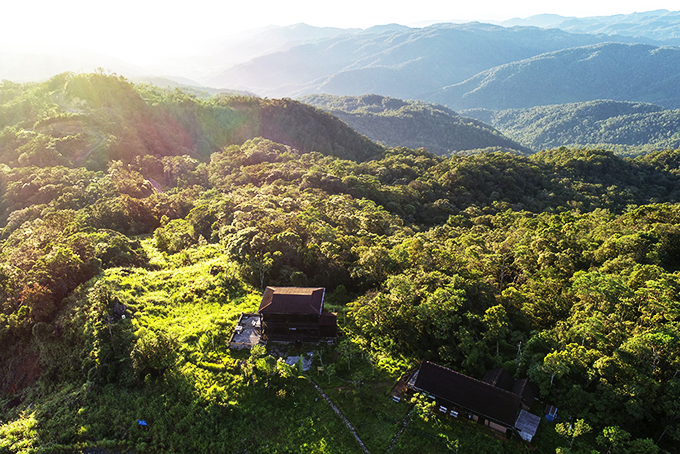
x=370 y=408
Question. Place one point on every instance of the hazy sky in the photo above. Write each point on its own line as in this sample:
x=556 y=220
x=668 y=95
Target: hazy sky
x=131 y=29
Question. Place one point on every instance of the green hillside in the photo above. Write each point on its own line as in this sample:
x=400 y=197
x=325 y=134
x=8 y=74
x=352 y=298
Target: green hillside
x=121 y=282
x=621 y=72
x=90 y=119
x=624 y=127
x=413 y=124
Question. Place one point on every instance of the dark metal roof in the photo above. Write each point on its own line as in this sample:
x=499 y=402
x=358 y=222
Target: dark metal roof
x=292 y=300
x=499 y=378
x=466 y=392
x=526 y=390
x=328 y=319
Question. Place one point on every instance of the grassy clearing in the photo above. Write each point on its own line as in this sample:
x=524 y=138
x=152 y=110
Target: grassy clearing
x=209 y=399
x=362 y=391
x=370 y=409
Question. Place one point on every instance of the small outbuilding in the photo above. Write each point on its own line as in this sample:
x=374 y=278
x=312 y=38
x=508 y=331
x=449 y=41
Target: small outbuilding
x=246 y=333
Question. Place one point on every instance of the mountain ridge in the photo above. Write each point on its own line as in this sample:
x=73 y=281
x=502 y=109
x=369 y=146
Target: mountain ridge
x=660 y=25
x=421 y=60
x=651 y=74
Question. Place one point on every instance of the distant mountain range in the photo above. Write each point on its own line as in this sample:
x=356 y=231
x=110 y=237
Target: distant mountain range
x=659 y=25
x=414 y=124
x=616 y=71
x=22 y=65
x=402 y=62
x=624 y=127
x=542 y=60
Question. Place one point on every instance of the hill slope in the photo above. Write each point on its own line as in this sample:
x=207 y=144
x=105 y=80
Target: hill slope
x=615 y=71
x=625 y=127
x=93 y=118
x=412 y=124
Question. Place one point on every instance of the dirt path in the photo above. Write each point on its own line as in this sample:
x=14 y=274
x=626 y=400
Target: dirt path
x=397 y=436
x=155 y=185
x=82 y=158
x=345 y=420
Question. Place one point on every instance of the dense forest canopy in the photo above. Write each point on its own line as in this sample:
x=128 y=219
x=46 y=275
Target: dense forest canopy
x=125 y=264
x=90 y=119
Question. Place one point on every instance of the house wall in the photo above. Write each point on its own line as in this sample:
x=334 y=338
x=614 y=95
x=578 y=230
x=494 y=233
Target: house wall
x=497 y=427
x=472 y=416
x=291 y=319
x=291 y=327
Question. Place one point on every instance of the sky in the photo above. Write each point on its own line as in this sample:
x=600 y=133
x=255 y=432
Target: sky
x=135 y=29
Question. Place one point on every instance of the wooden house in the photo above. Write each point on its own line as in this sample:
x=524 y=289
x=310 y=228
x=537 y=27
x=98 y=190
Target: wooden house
x=460 y=396
x=295 y=314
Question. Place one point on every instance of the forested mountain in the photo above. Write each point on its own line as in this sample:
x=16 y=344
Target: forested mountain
x=660 y=25
x=650 y=74
x=186 y=85
x=121 y=282
x=624 y=127
x=404 y=63
x=91 y=119
x=413 y=124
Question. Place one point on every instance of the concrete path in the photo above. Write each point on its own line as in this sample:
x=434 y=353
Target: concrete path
x=396 y=437
x=337 y=410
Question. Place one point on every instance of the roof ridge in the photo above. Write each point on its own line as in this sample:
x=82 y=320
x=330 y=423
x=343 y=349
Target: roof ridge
x=475 y=379
x=308 y=300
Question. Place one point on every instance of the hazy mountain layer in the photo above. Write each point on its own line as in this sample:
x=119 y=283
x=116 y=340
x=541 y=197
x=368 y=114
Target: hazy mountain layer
x=604 y=71
x=660 y=25
x=413 y=124
x=23 y=65
x=408 y=63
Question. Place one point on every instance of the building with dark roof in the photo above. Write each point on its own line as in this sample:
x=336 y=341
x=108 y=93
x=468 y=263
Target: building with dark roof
x=295 y=314
x=461 y=396
x=500 y=378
